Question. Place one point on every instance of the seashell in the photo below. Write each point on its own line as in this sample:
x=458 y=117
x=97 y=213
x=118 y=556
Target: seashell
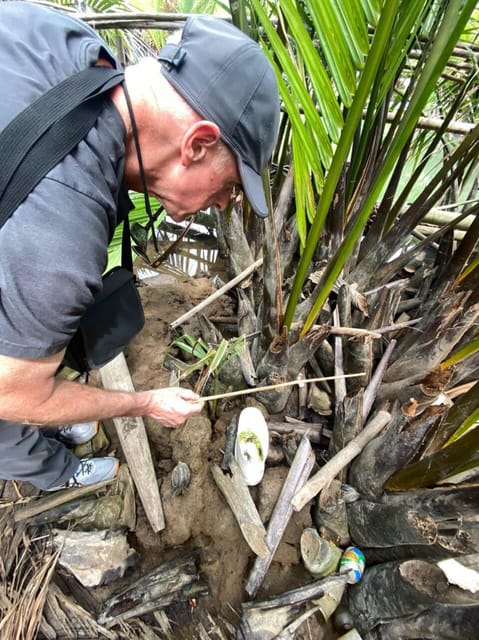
x=319 y=401
x=252 y=444
x=180 y=478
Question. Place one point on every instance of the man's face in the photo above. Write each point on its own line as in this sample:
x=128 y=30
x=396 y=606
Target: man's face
x=196 y=186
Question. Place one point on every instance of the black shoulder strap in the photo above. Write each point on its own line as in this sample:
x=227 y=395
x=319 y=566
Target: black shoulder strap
x=43 y=133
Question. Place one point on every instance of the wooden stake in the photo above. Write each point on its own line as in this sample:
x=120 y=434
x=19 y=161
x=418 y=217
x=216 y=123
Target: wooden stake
x=243 y=392
x=298 y=473
x=134 y=443
x=217 y=294
x=239 y=499
x=331 y=469
x=175 y=581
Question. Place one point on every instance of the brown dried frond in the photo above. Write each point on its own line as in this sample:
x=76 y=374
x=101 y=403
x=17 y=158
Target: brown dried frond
x=26 y=589
x=436 y=381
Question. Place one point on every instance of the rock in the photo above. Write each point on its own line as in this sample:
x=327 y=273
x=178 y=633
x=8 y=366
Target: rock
x=95 y=558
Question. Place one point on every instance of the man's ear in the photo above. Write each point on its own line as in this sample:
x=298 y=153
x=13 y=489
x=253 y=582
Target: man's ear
x=198 y=140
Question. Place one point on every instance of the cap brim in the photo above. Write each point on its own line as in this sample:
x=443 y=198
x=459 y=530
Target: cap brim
x=253 y=187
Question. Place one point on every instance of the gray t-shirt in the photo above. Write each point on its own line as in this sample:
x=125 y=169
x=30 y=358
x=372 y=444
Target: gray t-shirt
x=53 y=249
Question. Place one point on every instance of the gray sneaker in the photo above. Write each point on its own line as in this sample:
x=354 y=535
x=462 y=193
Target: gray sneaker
x=74 y=434
x=91 y=471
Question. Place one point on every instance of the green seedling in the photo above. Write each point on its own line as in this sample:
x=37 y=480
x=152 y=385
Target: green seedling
x=208 y=359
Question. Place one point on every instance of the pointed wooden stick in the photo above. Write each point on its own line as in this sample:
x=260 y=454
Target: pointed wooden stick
x=298 y=473
x=217 y=294
x=134 y=443
x=331 y=469
x=242 y=392
x=238 y=497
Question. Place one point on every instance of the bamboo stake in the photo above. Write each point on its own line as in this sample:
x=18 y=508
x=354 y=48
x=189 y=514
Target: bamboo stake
x=310 y=591
x=56 y=499
x=331 y=469
x=298 y=474
x=372 y=388
x=217 y=294
x=242 y=392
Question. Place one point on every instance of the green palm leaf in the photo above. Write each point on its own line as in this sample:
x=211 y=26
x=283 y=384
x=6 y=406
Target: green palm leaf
x=328 y=20
x=351 y=24
x=449 y=31
x=367 y=79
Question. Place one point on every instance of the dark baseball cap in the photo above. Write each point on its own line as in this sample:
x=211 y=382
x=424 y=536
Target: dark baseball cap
x=227 y=79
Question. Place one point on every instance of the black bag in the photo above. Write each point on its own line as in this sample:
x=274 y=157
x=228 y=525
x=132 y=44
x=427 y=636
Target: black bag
x=31 y=144
x=109 y=325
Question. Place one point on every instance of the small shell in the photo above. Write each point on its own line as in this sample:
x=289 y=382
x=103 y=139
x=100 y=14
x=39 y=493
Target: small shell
x=180 y=478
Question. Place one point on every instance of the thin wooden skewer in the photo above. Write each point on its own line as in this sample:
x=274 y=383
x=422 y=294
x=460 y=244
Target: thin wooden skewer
x=242 y=392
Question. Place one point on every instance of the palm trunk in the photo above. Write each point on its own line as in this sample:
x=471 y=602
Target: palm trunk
x=390 y=451
x=430 y=523
x=408 y=593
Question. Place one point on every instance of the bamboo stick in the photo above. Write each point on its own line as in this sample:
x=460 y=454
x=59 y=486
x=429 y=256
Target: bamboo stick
x=372 y=388
x=398 y=326
x=299 y=472
x=241 y=392
x=352 y=332
x=56 y=499
x=340 y=386
x=331 y=469
x=217 y=294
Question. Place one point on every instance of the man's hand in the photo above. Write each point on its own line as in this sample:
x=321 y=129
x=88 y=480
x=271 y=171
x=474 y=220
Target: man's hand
x=173 y=405
x=31 y=394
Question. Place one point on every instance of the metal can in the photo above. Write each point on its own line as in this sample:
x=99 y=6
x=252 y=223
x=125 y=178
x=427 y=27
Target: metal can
x=352 y=564
x=320 y=556
x=330 y=601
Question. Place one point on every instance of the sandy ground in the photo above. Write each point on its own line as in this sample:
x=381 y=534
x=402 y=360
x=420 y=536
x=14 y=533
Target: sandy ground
x=200 y=519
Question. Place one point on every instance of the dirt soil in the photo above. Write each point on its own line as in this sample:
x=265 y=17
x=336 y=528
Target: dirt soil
x=200 y=519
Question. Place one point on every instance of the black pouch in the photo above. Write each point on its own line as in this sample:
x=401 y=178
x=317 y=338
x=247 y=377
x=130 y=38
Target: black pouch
x=114 y=319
